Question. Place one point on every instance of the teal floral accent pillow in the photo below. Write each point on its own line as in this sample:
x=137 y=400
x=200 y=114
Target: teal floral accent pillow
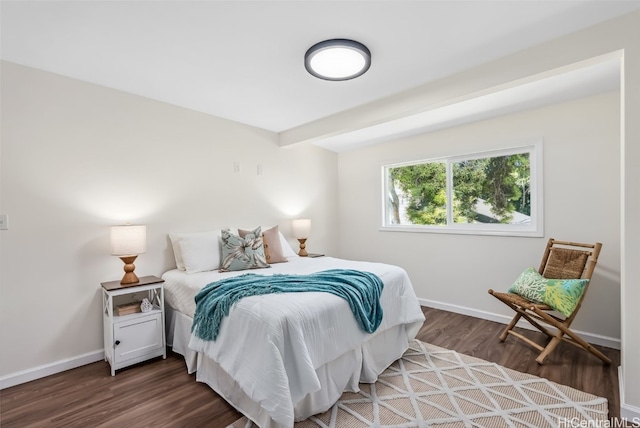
x=562 y=295
x=242 y=253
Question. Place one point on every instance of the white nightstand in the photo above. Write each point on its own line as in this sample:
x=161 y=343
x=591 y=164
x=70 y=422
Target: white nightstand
x=136 y=337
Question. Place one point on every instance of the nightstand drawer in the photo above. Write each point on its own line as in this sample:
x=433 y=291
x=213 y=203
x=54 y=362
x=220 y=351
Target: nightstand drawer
x=137 y=337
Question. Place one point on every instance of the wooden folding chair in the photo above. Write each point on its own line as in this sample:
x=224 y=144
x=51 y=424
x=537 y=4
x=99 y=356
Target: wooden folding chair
x=561 y=260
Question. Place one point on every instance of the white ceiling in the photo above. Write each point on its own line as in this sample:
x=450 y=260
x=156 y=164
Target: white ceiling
x=243 y=60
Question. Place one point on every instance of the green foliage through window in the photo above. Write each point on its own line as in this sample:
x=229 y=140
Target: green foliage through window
x=423 y=187
x=487 y=188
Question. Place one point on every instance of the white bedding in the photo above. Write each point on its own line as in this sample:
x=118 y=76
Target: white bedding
x=273 y=345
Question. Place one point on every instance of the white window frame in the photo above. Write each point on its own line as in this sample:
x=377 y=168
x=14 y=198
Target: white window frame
x=534 y=229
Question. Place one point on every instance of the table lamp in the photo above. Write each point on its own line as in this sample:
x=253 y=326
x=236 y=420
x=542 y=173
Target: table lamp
x=127 y=242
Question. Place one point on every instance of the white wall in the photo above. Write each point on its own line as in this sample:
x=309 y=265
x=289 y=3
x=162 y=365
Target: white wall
x=77 y=158
x=581 y=197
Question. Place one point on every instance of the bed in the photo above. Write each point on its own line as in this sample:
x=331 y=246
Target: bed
x=280 y=358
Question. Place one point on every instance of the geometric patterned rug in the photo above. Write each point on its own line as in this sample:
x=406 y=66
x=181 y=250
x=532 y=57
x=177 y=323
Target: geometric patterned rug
x=436 y=387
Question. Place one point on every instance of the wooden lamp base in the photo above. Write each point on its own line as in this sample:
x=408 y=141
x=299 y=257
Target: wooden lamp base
x=129 y=277
x=303 y=251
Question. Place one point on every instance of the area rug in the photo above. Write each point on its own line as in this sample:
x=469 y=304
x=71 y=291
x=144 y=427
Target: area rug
x=436 y=387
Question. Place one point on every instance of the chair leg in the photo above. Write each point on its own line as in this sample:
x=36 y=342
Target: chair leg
x=512 y=324
x=588 y=347
x=555 y=341
x=575 y=339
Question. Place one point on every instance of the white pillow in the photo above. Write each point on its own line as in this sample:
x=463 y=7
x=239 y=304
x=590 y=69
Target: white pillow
x=197 y=252
x=287 y=251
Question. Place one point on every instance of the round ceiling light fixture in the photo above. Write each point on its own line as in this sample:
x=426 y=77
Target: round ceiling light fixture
x=337 y=59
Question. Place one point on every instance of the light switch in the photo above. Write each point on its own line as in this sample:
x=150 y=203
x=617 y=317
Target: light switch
x=4 y=222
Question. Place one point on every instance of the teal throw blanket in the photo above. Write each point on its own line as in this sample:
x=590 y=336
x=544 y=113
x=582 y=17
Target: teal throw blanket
x=361 y=290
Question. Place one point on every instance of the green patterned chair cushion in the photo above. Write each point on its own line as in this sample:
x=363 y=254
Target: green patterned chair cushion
x=562 y=295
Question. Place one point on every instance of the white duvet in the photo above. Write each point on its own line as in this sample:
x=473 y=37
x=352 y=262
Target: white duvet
x=273 y=344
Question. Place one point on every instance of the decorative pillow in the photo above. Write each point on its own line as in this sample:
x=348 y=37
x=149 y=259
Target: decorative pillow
x=271 y=242
x=562 y=295
x=242 y=253
x=287 y=251
x=196 y=252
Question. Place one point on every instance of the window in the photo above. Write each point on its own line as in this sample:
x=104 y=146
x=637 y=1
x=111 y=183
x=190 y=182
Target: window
x=498 y=192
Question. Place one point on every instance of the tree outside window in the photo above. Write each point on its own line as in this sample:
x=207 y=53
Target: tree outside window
x=493 y=188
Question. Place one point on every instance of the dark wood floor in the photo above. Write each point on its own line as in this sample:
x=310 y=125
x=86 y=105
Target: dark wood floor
x=160 y=393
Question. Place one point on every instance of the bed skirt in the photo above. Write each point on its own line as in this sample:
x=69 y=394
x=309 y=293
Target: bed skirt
x=362 y=364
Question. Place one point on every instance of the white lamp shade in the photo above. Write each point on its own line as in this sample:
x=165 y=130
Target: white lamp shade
x=128 y=240
x=301 y=228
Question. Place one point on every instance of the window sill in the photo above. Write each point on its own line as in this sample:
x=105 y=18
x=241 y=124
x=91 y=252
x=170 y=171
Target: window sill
x=464 y=231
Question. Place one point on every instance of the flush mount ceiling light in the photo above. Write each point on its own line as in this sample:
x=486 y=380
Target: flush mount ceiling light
x=337 y=59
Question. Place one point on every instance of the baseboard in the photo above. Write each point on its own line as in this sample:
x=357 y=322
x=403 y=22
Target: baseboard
x=628 y=413
x=50 y=368
x=596 y=339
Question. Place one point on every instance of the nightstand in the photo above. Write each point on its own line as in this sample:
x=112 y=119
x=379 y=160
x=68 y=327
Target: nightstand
x=133 y=337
